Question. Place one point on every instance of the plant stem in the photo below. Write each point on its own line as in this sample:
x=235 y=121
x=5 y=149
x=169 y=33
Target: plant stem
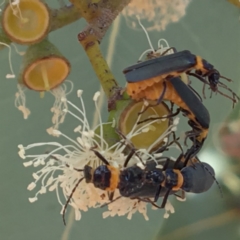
x=100 y=66
x=100 y=16
x=64 y=16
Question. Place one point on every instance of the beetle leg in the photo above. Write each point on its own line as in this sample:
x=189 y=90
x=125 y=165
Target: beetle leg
x=165 y=198
x=157 y=194
x=182 y=195
x=148 y=200
x=158 y=118
x=198 y=77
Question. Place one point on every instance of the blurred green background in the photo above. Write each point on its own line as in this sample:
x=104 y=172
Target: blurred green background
x=211 y=29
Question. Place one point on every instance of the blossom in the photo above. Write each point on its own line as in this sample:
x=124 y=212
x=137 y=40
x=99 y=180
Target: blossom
x=158 y=12
x=58 y=106
x=58 y=169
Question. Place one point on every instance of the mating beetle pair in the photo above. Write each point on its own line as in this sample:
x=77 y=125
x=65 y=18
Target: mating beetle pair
x=159 y=79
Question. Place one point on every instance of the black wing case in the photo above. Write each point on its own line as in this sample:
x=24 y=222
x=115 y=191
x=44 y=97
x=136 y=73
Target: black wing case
x=192 y=101
x=177 y=62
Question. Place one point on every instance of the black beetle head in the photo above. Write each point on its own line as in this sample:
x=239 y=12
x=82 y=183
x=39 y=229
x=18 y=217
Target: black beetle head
x=102 y=177
x=213 y=79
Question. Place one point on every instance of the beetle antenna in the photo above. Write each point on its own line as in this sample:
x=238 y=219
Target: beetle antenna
x=228 y=79
x=218 y=184
x=100 y=156
x=214 y=178
x=69 y=198
x=67 y=165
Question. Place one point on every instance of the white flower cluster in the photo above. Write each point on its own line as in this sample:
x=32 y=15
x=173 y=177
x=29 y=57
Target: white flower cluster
x=159 y=13
x=58 y=168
